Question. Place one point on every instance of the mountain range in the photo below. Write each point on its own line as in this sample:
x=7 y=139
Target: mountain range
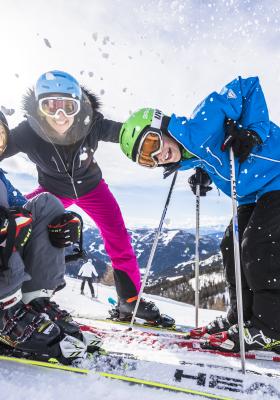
x=174 y=256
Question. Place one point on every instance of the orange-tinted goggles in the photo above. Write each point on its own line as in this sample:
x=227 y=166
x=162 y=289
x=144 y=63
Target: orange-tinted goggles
x=150 y=145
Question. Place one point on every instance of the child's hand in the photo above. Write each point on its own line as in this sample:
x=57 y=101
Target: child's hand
x=241 y=140
x=202 y=179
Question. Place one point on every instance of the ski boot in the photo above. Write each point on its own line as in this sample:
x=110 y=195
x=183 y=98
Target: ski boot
x=228 y=341
x=219 y=324
x=147 y=311
x=64 y=320
x=26 y=333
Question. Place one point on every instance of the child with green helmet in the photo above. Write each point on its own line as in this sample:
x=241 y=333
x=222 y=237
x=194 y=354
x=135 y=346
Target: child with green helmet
x=142 y=139
x=237 y=118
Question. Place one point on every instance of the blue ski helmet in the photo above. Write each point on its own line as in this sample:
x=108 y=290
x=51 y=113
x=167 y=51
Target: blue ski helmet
x=57 y=82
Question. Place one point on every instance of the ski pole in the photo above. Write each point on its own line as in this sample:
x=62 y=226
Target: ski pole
x=197 y=209
x=150 y=260
x=237 y=260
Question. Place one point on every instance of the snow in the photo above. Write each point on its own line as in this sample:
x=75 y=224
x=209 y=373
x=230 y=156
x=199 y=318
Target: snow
x=205 y=279
x=168 y=236
x=84 y=307
x=24 y=382
x=174 y=278
x=28 y=382
x=206 y=43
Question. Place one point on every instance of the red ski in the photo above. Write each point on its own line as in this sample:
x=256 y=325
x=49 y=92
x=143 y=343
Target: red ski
x=165 y=340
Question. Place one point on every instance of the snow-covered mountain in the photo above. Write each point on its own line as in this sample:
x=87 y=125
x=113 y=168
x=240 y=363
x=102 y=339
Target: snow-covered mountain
x=173 y=264
x=174 y=255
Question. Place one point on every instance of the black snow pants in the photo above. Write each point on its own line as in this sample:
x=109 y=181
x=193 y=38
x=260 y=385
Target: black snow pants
x=259 y=235
x=89 y=280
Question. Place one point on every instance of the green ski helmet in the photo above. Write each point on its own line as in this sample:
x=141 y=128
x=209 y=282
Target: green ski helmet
x=135 y=126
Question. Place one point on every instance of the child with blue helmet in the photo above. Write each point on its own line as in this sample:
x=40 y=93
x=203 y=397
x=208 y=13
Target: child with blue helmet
x=60 y=135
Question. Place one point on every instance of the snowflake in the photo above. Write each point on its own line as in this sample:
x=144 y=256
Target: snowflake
x=83 y=156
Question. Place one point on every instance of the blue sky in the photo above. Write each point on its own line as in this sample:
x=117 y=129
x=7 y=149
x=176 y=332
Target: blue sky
x=164 y=54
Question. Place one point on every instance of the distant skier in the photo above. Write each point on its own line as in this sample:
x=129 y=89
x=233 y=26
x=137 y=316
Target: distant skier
x=86 y=272
x=32 y=266
x=236 y=117
x=60 y=136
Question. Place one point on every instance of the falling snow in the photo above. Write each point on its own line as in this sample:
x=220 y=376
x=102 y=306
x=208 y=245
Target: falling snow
x=47 y=43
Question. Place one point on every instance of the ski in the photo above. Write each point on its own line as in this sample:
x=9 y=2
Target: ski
x=159 y=385
x=114 y=359
x=52 y=364
x=175 y=329
x=163 y=341
x=203 y=380
x=112 y=376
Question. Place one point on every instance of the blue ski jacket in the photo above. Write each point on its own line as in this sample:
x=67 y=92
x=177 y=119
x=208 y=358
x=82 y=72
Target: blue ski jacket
x=203 y=134
x=15 y=198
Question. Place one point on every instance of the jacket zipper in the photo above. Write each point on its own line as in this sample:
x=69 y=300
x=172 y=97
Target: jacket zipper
x=73 y=164
x=56 y=164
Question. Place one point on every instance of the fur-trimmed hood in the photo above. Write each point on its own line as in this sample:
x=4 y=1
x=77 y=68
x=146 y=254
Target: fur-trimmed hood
x=83 y=121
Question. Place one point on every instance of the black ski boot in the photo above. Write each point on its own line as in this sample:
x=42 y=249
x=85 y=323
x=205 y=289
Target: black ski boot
x=64 y=320
x=147 y=310
x=128 y=297
x=23 y=329
x=254 y=339
x=219 y=324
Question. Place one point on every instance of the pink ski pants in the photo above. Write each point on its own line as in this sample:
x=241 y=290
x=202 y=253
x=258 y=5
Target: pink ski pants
x=104 y=210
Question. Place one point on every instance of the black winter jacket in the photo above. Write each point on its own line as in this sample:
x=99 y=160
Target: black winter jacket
x=67 y=170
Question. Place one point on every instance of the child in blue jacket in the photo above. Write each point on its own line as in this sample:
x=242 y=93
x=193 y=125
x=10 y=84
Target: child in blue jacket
x=236 y=117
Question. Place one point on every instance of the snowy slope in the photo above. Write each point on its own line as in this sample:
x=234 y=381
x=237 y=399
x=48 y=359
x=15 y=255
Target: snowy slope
x=21 y=382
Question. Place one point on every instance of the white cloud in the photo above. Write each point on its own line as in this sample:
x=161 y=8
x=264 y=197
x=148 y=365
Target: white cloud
x=168 y=54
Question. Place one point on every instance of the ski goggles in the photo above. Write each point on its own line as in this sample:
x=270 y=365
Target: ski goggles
x=150 y=146
x=51 y=106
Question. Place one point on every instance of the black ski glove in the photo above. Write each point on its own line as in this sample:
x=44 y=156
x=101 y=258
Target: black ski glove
x=241 y=140
x=19 y=221
x=15 y=230
x=65 y=229
x=202 y=179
